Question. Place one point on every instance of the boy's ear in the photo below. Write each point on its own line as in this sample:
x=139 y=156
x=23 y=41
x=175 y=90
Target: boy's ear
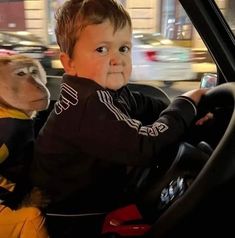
x=67 y=63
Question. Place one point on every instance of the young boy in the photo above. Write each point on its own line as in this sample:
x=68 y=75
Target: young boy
x=98 y=128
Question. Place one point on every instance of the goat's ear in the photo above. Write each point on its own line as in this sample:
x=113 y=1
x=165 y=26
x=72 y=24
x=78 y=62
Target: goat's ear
x=5 y=60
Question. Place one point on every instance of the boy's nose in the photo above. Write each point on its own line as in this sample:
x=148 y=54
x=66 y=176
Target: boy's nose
x=115 y=59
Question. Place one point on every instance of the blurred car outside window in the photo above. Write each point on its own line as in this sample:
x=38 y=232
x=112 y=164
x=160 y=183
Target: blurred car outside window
x=158 y=58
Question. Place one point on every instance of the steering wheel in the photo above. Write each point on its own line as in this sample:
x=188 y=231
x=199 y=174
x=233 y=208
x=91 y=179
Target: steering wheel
x=216 y=171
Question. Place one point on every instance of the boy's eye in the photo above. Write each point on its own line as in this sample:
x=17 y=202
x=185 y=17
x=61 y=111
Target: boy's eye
x=102 y=49
x=124 y=49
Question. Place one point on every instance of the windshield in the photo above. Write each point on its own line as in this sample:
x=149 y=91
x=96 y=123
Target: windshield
x=227 y=8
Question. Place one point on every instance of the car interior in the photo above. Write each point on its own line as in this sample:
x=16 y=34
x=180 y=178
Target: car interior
x=195 y=194
x=205 y=208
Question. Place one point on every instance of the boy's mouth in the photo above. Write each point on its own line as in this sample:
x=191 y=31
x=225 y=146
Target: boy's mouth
x=116 y=69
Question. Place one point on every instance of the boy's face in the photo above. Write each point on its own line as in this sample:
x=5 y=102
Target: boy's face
x=102 y=55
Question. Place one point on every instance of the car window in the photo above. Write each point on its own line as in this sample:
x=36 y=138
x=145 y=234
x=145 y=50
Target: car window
x=8 y=38
x=176 y=23
x=227 y=8
x=154 y=39
x=167 y=47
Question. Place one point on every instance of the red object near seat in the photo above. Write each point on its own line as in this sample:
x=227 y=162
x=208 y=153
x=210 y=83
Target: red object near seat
x=125 y=221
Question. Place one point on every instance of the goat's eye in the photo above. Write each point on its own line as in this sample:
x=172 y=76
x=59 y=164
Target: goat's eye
x=33 y=70
x=21 y=71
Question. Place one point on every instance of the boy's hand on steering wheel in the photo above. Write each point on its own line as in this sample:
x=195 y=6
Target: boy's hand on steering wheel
x=204 y=119
x=196 y=96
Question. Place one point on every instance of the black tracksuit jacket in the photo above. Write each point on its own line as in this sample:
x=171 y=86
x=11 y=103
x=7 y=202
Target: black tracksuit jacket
x=93 y=135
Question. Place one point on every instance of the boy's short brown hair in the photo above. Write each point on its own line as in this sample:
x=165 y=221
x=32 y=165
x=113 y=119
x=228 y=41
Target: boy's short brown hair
x=75 y=15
